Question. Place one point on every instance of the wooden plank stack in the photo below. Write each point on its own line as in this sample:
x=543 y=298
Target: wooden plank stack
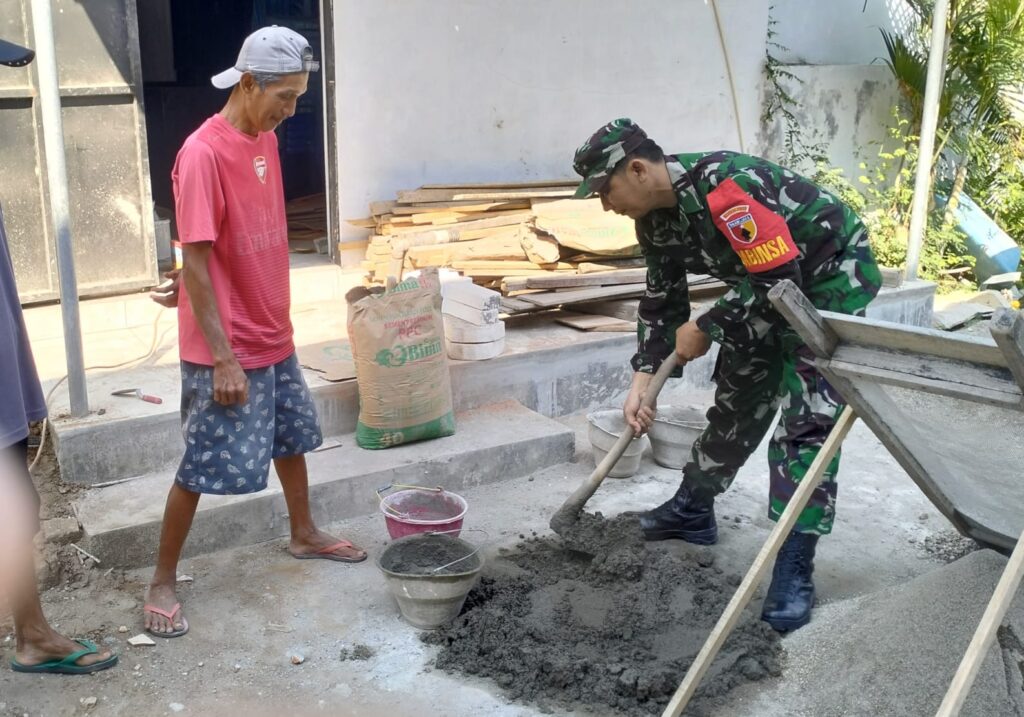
x=439 y=225
x=529 y=241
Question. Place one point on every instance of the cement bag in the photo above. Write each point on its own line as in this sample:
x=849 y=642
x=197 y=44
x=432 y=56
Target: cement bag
x=397 y=339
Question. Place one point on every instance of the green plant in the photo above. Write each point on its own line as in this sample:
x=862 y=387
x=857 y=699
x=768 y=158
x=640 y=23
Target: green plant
x=780 y=106
x=882 y=196
x=979 y=132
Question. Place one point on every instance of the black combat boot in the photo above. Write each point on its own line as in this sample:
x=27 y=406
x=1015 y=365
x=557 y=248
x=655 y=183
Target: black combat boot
x=689 y=515
x=787 y=606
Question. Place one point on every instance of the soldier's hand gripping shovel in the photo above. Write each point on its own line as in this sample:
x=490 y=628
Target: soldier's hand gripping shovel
x=569 y=513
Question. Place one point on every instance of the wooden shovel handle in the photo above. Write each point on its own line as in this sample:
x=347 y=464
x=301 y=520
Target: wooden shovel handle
x=569 y=512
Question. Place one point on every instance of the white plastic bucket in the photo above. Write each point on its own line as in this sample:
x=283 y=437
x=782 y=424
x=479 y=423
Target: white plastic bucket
x=673 y=433
x=605 y=428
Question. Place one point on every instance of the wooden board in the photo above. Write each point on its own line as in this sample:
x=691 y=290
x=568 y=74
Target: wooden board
x=464 y=206
x=448 y=195
x=1008 y=333
x=511 y=265
x=609 y=278
x=883 y=334
x=624 y=309
x=511 y=305
x=362 y=223
x=940 y=376
x=497 y=272
x=453 y=217
x=463 y=231
x=382 y=207
x=552 y=299
x=589 y=267
x=593 y=322
x=492 y=249
x=518 y=283
x=539 y=248
x=573 y=183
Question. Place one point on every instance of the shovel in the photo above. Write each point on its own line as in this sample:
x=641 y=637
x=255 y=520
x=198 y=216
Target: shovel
x=569 y=513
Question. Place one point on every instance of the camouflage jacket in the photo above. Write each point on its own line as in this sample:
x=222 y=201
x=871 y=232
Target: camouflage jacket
x=748 y=222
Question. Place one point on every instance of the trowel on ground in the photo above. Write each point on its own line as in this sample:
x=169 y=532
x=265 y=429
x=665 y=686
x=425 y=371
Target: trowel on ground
x=569 y=513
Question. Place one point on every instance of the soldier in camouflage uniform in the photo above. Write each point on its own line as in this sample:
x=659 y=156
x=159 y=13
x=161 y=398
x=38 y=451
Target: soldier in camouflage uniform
x=750 y=223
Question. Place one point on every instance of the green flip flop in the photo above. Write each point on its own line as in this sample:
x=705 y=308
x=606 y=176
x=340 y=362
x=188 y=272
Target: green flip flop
x=66 y=665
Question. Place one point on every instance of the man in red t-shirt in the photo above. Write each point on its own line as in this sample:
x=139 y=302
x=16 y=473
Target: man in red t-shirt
x=244 y=401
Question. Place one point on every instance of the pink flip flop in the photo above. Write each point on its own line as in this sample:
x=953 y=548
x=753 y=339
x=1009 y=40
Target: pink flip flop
x=328 y=553
x=170 y=616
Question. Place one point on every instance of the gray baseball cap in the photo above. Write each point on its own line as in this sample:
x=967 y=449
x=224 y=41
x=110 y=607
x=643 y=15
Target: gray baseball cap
x=276 y=50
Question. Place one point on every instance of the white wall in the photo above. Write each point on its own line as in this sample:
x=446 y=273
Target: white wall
x=835 y=32
x=847 y=107
x=436 y=91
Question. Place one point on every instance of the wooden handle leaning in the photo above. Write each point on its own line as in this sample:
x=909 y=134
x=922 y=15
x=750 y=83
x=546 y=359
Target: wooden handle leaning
x=571 y=508
x=762 y=563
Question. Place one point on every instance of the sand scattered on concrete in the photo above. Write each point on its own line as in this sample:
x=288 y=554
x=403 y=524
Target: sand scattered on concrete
x=895 y=652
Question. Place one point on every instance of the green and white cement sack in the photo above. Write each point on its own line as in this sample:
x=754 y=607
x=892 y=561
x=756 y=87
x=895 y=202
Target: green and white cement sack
x=397 y=338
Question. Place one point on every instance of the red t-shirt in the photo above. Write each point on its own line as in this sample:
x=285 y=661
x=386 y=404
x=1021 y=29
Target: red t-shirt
x=228 y=191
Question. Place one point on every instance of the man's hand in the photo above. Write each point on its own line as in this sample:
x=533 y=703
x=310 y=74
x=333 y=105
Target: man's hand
x=641 y=419
x=691 y=342
x=167 y=293
x=230 y=384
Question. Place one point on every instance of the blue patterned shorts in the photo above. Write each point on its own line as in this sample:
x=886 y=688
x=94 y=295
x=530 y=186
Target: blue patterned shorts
x=228 y=449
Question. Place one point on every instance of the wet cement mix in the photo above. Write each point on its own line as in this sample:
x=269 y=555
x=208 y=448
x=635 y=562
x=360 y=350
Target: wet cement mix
x=597 y=619
x=430 y=554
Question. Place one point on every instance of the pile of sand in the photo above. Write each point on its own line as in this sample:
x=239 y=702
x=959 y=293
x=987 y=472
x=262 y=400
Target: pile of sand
x=894 y=652
x=602 y=621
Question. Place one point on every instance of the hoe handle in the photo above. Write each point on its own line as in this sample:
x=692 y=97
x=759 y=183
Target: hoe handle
x=570 y=510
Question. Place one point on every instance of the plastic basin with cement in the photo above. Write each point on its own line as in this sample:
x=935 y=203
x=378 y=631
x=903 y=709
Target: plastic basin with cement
x=604 y=430
x=430 y=576
x=673 y=433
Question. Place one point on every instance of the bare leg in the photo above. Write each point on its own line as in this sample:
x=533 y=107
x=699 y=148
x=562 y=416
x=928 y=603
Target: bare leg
x=37 y=642
x=306 y=538
x=181 y=508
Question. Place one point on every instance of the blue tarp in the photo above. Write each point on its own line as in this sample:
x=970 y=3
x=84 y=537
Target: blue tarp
x=995 y=251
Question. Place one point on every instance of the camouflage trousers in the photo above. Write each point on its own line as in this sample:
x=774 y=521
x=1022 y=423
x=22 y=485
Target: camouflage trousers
x=753 y=386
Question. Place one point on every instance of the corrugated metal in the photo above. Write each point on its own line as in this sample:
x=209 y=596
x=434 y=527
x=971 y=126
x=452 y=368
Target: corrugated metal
x=104 y=133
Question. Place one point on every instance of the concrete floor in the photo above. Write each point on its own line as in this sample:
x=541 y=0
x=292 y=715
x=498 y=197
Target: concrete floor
x=250 y=609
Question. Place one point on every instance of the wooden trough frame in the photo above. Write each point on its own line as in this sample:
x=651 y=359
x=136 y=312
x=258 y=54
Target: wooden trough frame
x=862 y=358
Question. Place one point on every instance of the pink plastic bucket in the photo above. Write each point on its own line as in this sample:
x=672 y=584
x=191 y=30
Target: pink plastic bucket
x=408 y=512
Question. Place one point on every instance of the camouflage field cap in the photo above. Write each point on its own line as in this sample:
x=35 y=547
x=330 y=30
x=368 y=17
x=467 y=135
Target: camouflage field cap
x=598 y=157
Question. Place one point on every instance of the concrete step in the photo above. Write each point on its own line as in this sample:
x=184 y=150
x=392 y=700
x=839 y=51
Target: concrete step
x=551 y=369
x=554 y=370
x=493 y=443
